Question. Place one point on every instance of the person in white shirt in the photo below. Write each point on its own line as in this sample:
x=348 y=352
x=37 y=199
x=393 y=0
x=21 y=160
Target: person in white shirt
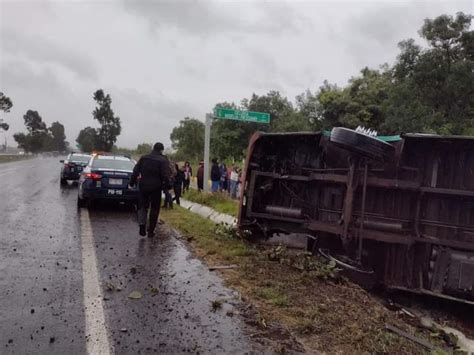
x=234 y=180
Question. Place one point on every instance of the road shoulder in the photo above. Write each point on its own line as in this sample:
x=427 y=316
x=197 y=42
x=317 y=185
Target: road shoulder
x=307 y=298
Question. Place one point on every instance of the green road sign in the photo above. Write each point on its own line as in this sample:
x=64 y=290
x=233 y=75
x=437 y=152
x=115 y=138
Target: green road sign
x=231 y=114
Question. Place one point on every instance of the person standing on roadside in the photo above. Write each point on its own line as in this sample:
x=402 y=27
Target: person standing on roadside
x=178 y=184
x=188 y=173
x=170 y=187
x=200 y=176
x=234 y=181
x=215 y=176
x=224 y=180
x=152 y=174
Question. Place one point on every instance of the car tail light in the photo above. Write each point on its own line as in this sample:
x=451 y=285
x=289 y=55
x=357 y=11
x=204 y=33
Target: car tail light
x=93 y=176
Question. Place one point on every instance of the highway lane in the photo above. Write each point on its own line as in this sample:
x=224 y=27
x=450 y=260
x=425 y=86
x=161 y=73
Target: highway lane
x=40 y=277
x=66 y=274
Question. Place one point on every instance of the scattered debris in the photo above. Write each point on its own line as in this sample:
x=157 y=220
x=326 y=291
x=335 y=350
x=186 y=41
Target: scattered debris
x=52 y=340
x=451 y=336
x=411 y=337
x=223 y=267
x=321 y=268
x=109 y=286
x=277 y=253
x=154 y=290
x=135 y=295
x=408 y=313
x=229 y=231
x=216 y=305
x=133 y=270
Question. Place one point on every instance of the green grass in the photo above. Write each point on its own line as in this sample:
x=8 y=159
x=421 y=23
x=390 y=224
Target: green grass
x=332 y=316
x=15 y=157
x=273 y=295
x=203 y=233
x=218 y=201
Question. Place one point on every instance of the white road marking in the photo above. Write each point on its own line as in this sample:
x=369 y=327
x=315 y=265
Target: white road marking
x=97 y=341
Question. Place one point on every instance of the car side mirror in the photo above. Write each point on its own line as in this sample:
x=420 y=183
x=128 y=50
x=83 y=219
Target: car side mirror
x=61 y=161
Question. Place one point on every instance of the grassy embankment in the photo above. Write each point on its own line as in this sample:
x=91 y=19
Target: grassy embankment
x=13 y=157
x=306 y=295
x=220 y=202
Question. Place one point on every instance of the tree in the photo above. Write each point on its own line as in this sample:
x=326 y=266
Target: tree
x=58 y=136
x=144 y=148
x=5 y=106
x=439 y=78
x=34 y=123
x=38 y=136
x=188 y=139
x=230 y=138
x=282 y=113
x=428 y=90
x=22 y=141
x=110 y=124
x=307 y=106
x=361 y=103
x=87 y=139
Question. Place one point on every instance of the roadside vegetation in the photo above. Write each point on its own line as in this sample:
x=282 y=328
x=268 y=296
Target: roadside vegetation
x=5 y=106
x=104 y=137
x=13 y=157
x=39 y=137
x=427 y=89
x=219 y=201
x=308 y=296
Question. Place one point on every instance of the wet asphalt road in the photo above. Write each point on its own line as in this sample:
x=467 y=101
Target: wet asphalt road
x=66 y=274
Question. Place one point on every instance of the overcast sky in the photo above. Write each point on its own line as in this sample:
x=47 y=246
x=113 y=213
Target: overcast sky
x=164 y=60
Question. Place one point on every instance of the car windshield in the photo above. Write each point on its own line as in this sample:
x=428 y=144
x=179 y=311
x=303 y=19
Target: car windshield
x=80 y=158
x=113 y=163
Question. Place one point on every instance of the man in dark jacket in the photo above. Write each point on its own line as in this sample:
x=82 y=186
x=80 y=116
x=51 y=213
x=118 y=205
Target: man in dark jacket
x=215 y=176
x=152 y=174
x=200 y=176
x=178 y=184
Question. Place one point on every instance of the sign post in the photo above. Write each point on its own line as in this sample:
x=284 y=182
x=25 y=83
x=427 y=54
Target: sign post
x=227 y=114
x=207 y=144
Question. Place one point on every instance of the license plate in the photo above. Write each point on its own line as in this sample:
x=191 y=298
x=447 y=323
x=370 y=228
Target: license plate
x=72 y=170
x=115 y=181
x=114 y=192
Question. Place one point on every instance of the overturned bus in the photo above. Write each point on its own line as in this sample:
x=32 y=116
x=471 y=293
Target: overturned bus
x=400 y=207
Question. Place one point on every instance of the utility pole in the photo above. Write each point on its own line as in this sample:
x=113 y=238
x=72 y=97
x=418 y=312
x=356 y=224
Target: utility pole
x=207 y=144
